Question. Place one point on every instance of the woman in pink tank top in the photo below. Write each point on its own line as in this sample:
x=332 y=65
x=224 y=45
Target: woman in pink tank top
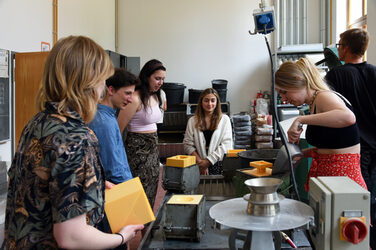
x=139 y=118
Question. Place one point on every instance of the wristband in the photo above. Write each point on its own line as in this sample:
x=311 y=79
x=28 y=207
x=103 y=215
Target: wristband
x=122 y=238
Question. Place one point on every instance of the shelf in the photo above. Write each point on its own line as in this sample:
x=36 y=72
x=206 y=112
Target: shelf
x=172 y=131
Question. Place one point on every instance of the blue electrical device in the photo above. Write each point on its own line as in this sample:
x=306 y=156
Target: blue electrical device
x=264 y=20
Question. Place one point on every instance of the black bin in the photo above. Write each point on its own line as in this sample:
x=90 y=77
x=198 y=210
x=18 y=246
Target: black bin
x=194 y=95
x=174 y=92
x=219 y=84
x=222 y=94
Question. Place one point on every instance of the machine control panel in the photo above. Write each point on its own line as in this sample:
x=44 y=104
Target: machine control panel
x=342 y=210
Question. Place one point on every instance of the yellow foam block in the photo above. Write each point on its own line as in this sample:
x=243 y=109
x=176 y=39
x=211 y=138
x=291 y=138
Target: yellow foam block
x=257 y=164
x=262 y=168
x=126 y=204
x=181 y=161
x=185 y=199
x=234 y=152
x=255 y=172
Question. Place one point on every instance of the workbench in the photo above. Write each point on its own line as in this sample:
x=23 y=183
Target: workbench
x=215 y=236
x=212 y=238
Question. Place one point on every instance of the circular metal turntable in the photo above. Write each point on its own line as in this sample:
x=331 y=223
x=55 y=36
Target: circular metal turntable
x=233 y=213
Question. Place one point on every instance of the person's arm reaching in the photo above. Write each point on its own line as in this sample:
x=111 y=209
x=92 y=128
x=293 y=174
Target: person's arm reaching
x=126 y=115
x=75 y=233
x=331 y=112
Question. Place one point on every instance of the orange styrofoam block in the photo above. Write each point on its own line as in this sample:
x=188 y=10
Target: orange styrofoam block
x=257 y=164
x=193 y=199
x=234 y=152
x=181 y=161
x=127 y=204
x=255 y=172
x=262 y=168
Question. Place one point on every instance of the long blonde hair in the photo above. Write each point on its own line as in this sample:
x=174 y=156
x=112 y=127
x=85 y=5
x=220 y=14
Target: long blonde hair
x=298 y=75
x=74 y=68
x=200 y=112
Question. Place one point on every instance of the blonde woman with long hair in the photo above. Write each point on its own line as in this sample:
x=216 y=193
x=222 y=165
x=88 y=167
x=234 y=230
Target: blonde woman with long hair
x=208 y=135
x=56 y=181
x=331 y=125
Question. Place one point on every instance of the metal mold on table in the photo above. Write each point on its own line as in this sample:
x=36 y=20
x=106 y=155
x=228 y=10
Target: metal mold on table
x=263 y=199
x=177 y=179
x=213 y=238
x=184 y=221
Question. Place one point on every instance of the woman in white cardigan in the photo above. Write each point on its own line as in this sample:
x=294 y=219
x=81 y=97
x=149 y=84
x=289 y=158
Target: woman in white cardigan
x=209 y=134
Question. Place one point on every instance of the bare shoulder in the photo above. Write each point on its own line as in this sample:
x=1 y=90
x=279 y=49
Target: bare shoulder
x=328 y=100
x=136 y=97
x=327 y=96
x=136 y=101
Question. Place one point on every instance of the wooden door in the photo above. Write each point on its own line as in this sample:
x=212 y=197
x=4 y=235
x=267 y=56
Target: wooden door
x=28 y=74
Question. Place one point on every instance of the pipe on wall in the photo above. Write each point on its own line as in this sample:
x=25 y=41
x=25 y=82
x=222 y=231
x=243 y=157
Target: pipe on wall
x=304 y=21
x=54 y=21
x=116 y=25
x=323 y=14
x=291 y=21
x=283 y=23
x=297 y=22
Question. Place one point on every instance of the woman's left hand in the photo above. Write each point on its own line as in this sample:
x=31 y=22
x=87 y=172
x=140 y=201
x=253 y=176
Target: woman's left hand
x=294 y=131
x=204 y=166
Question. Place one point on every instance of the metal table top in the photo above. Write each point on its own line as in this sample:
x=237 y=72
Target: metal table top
x=232 y=213
x=213 y=238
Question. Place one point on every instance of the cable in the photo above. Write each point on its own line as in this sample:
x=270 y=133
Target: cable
x=275 y=117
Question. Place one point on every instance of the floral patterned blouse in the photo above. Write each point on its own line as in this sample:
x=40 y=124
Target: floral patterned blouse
x=56 y=175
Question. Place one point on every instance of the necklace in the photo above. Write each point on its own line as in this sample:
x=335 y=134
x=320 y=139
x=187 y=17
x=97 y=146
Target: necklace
x=313 y=98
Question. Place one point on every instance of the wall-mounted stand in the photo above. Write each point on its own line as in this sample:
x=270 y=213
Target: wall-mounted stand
x=264 y=24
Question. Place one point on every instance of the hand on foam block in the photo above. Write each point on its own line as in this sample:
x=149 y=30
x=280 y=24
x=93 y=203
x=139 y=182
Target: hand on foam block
x=127 y=204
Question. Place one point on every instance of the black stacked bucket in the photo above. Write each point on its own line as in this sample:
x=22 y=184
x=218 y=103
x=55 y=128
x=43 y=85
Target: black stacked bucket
x=220 y=85
x=194 y=95
x=174 y=92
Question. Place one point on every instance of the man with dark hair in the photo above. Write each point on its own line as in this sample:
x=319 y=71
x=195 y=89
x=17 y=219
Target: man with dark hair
x=356 y=80
x=120 y=88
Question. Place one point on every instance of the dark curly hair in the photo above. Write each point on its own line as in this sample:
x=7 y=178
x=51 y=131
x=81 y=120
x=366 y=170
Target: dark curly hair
x=149 y=68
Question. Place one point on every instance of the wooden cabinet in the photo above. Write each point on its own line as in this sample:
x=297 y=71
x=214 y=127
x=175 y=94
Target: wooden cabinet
x=28 y=74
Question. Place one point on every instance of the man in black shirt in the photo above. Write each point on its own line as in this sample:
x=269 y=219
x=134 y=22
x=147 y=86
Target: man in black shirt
x=356 y=80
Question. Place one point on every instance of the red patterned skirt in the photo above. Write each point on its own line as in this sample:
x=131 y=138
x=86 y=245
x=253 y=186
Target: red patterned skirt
x=336 y=165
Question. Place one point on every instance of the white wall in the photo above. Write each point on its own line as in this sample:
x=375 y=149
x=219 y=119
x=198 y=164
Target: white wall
x=23 y=29
x=371 y=27
x=24 y=24
x=199 y=41
x=92 y=18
